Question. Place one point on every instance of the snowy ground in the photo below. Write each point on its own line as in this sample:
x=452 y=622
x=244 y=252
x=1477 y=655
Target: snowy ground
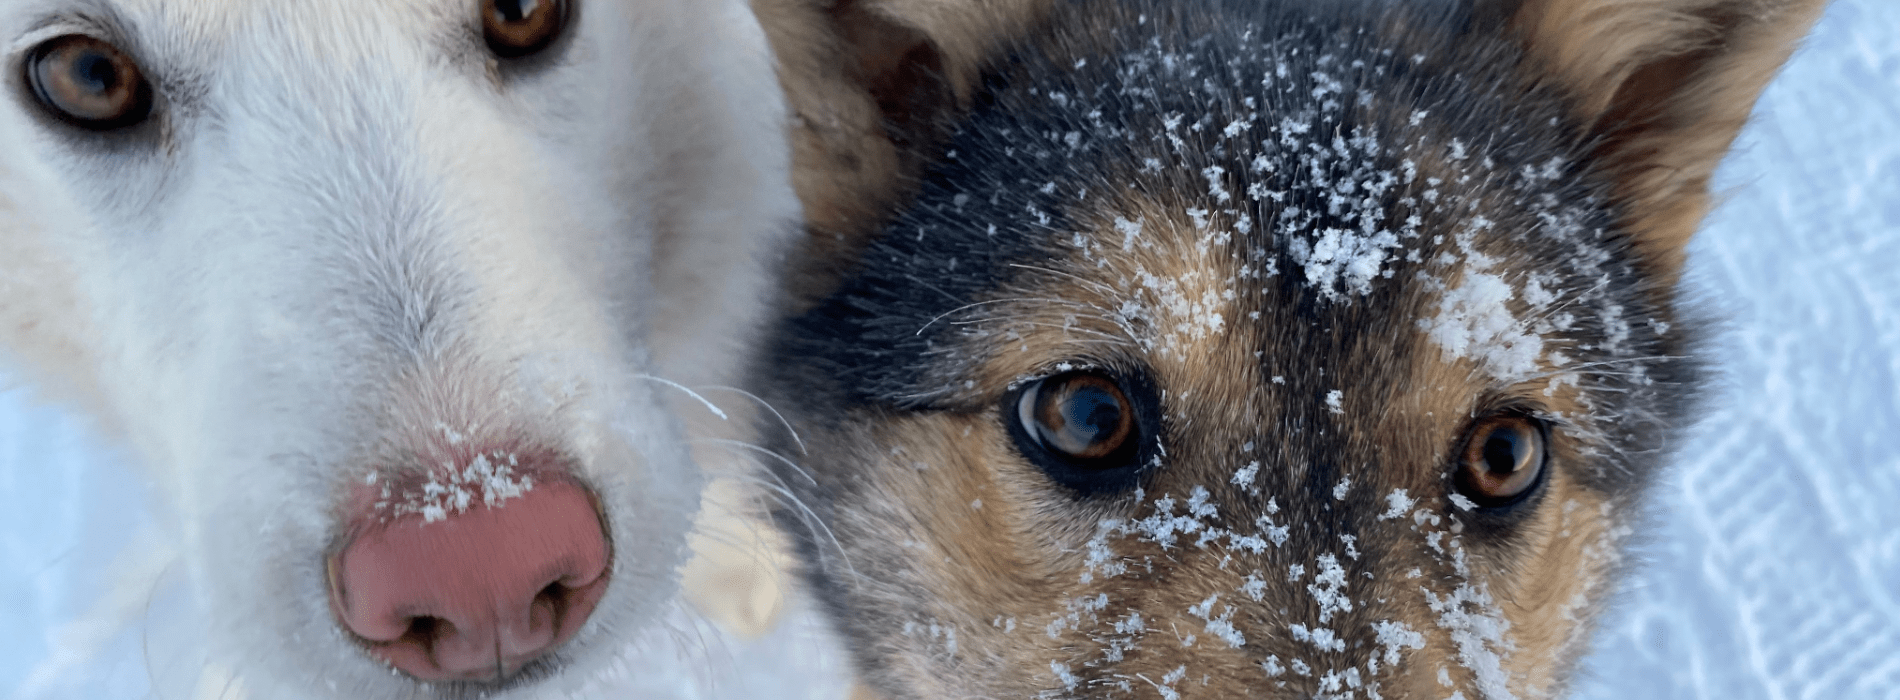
x=1774 y=565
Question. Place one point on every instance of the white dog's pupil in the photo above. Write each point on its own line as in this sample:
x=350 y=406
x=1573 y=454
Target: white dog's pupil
x=516 y=10
x=94 y=72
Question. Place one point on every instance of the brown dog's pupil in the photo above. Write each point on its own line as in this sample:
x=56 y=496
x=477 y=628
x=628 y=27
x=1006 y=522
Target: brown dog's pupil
x=516 y=28
x=1503 y=453
x=88 y=82
x=1083 y=417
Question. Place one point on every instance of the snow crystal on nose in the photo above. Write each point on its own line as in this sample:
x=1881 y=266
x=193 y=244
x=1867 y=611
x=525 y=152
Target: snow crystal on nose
x=489 y=478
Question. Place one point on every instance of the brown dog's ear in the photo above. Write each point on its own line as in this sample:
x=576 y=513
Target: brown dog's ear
x=901 y=69
x=868 y=97
x=1663 y=87
x=873 y=86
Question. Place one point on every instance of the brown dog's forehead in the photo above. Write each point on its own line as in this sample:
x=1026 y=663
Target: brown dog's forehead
x=1302 y=505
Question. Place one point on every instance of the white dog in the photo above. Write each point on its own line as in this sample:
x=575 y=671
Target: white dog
x=399 y=301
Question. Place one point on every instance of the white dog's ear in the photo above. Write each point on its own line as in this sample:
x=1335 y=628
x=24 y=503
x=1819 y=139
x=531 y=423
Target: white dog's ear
x=1662 y=87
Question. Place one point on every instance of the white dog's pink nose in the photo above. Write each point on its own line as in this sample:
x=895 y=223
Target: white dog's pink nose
x=475 y=595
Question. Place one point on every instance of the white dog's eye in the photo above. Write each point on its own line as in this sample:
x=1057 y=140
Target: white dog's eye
x=516 y=28
x=88 y=82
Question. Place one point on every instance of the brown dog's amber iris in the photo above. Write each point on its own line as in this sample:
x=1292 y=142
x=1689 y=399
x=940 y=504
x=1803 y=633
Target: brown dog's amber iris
x=1082 y=417
x=88 y=82
x=516 y=28
x=1501 y=460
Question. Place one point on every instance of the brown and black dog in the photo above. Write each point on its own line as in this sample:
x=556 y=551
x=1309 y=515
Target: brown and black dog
x=1253 y=348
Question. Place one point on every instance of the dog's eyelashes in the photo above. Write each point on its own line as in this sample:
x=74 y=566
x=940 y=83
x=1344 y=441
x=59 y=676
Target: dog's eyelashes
x=88 y=82
x=1081 y=418
x=516 y=28
x=1501 y=459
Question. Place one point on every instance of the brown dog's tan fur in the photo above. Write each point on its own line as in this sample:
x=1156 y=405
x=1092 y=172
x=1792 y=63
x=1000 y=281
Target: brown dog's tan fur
x=1134 y=205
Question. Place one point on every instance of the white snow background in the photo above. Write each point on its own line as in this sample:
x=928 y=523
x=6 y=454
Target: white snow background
x=1773 y=563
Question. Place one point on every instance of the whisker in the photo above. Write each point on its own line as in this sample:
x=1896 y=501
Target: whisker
x=807 y=517
x=785 y=494
x=755 y=448
x=919 y=281
x=1018 y=320
x=939 y=317
x=1092 y=283
x=768 y=406
x=145 y=631
x=1567 y=302
x=230 y=684
x=1574 y=369
x=689 y=392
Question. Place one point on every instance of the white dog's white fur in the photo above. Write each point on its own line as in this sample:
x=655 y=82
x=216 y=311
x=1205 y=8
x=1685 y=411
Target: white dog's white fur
x=348 y=229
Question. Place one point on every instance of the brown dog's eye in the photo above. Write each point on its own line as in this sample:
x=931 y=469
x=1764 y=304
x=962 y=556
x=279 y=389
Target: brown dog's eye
x=516 y=28
x=88 y=82
x=1084 y=418
x=1501 y=460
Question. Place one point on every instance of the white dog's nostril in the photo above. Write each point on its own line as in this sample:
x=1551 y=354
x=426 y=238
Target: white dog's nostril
x=479 y=594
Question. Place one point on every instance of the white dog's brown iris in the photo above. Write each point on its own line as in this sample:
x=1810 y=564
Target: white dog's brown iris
x=88 y=82
x=516 y=28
